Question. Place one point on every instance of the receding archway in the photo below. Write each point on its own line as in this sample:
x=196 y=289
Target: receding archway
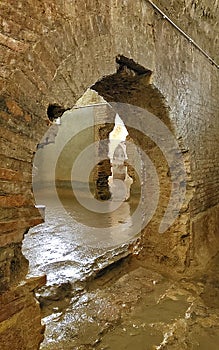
x=132 y=85
x=169 y=248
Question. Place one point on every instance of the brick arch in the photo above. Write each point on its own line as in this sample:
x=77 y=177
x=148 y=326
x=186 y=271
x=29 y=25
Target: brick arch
x=120 y=79
x=58 y=68
x=55 y=66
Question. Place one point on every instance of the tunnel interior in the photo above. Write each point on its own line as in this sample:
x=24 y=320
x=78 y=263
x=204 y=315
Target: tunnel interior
x=129 y=91
x=86 y=229
x=72 y=256
x=153 y=63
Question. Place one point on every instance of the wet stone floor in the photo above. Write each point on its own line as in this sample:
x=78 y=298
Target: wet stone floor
x=99 y=297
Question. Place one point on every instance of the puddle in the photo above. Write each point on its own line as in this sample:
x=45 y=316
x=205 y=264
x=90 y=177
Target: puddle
x=138 y=329
x=129 y=338
x=166 y=310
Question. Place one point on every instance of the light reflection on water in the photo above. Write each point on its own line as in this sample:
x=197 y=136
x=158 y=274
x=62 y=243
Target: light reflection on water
x=67 y=243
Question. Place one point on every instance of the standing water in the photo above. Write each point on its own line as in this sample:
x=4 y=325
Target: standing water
x=128 y=307
x=96 y=295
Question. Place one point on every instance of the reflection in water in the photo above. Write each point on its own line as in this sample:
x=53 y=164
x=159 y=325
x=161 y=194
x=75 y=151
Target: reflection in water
x=109 y=229
x=120 y=182
x=96 y=219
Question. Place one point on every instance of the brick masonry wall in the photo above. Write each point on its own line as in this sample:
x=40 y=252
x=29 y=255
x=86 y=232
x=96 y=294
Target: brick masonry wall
x=20 y=320
x=51 y=52
x=198 y=18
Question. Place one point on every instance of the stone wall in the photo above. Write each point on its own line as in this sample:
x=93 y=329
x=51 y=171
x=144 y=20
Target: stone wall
x=51 y=52
x=20 y=319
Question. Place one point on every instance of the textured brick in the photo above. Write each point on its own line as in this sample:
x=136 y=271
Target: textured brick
x=12 y=201
x=16 y=305
x=14 y=109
